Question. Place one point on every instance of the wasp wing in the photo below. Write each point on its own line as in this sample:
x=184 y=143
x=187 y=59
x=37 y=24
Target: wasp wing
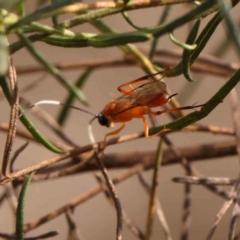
x=140 y=96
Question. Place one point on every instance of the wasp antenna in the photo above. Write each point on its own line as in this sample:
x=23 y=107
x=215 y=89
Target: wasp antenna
x=171 y=96
x=53 y=102
x=90 y=131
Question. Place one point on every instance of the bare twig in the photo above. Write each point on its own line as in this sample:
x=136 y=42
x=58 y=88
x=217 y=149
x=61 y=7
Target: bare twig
x=12 y=198
x=49 y=121
x=77 y=201
x=205 y=180
x=224 y=208
x=73 y=232
x=186 y=218
x=42 y=236
x=193 y=153
x=135 y=4
x=113 y=193
x=235 y=217
x=133 y=228
x=16 y=154
x=27 y=136
x=236 y=119
x=160 y=213
x=28 y=87
x=13 y=117
x=206 y=64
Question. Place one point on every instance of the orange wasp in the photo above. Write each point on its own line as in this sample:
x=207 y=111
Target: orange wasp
x=134 y=103
x=137 y=102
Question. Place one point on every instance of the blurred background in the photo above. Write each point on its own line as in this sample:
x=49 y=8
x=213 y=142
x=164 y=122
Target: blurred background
x=96 y=218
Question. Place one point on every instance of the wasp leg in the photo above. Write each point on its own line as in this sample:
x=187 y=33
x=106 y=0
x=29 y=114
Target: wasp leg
x=176 y=109
x=146 y=128
x=127 y=92
x=112 y=133
x=165 y=111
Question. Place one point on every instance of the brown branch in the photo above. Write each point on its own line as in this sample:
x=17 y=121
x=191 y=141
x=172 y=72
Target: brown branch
x=73 y=232
x=224 y=208
x=41 y=236
x=235 y=217
x=27 y=136
x=197 y=152
x=205 y=180
x=112 y=191
x=135 y=4
x=48 y=121
x=236 y=118
x=77 y=201
x=16 y=154
x=160 y=213
x=206 y=64
x=186 y=217
x=236 y=125
x=134 y=229
x=13 y=117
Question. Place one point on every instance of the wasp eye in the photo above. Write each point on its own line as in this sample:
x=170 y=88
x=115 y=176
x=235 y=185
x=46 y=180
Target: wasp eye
x=102 y=120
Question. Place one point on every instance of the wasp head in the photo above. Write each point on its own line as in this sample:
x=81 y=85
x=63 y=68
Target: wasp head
x=103 y=120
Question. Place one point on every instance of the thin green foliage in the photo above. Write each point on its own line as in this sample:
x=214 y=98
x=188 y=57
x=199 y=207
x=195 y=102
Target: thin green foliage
x=4 y=53
x=154 y=188
x=187 y=52
x=21 y=207
x=205 y=110
x=161 y=21
x=26 y=122
x=232 y=29
x=201 y=42
x=60 y=33
x=52 y=70
x=64 y=113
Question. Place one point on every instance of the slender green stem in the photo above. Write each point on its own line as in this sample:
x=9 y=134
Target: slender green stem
x=26 y=122
x=20 y=208
x=69 y=100
x=52 y=70
x=205 y=110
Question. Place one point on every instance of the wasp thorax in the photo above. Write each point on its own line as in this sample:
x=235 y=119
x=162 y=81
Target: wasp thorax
x=102 y=120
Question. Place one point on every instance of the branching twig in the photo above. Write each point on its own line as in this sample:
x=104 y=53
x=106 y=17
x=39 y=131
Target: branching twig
x=73 y=231
x=113 y=193
x=193 y=153
x=160 y=213
x=133 y=228
x=224 y=208
x=77 y=201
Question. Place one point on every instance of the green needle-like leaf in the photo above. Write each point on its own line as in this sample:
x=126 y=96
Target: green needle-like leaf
x=186 y=60
x=200 y=11
x=69 y=101
x=26 y=122
x=4 y=53
x=20 y=208
x=201 y=42
x=205 y=110
x=52 y=70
